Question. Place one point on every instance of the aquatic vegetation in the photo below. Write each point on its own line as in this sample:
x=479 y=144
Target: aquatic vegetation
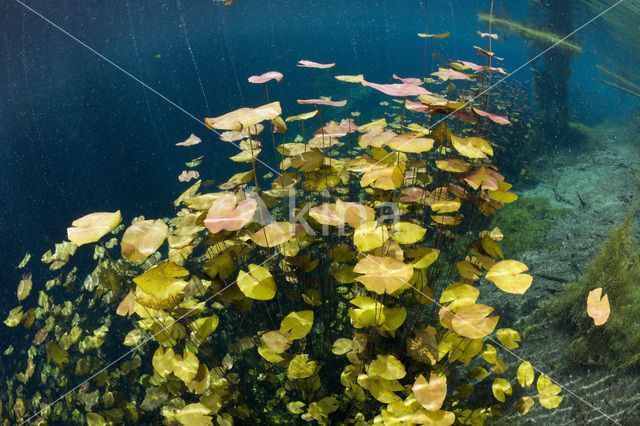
x=529 y=33
x=619 y=81
x=525 y=222
x=605 y=330
x=344 y=288
x=190 y=141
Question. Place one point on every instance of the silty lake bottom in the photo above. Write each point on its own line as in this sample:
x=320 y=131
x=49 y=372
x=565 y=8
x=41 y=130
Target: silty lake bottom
x=340 y=212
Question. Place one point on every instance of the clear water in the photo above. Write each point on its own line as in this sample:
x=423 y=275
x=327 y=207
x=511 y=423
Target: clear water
x=95 y=95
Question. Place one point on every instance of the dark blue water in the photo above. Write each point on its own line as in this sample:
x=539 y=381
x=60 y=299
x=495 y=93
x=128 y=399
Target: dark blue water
x=77 y=135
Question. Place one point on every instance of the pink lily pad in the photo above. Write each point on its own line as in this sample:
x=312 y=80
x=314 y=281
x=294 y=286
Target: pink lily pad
x=225 y=215
x=191 y=140
x=322 y=102
x=449 y=74
x=186 y=176
x=400 y=90
x=267 y=76
x=500 y=119
x=311 y=64
x=409 y=80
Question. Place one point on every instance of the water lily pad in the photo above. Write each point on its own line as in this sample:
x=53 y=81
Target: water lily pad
x=14 y=317
x=548 y=392
x=471 y=147
x=406 y=232
x=501 y=388
x=257 y=284
x=185 y=367
x=430 y=394
x=143 y=238
x=342 y=346
x=507 y=275
x=370 y=236
x=387 y=178
x=24 y=287
x=297 y=325
x=508 y=337
x=163 y=280
x=387 y=367
x=224 y=214
x=244 y=118
x=92 y=227
x=196 y=414
x=301 y=367
x=276 y=341
x=598 y=307
x=383 y=274
x=471 y=321
x=525 y=374
x=277 y=233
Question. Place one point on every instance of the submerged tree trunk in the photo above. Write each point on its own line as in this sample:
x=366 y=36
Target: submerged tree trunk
x=551 y=80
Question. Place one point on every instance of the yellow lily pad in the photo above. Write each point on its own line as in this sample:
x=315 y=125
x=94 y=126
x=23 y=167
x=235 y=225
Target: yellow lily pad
x=243 y=118
x=472 y=321
x=303 y=116
x=471 y=147
x=406 y=232
x=548 y=392
x=95 y=419
x=296 y=407
x=237 y=179
x=430 y=394
x=598 y=306
x=185 y=367
x=132 y=338
x=196 y=414
x=296 y=325
x=14 y=317
x=423 y=256
x=524 y=404
x=410 y=142
x=92 y=227
x=370 y=236
x=387 y=367
x=143 y=238
x=277 y=233
x=446 y=220
x=276 y=341
x=383 y=274
x=381 y=123
x=525 y=374
x=162 y=281
x=24 y=287
x=501 y=388
x=301 y=367
x=270 y=355
x=387 y=178
x=507 y=276
x=508 y=337
x=455 y=165
x=350 y=78
x=342 y=346
x=203 y=327
x=257 y=284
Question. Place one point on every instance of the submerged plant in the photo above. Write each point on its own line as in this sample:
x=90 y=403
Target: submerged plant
x=346 y=292
x=605 y=333
x=529 y=33
x=526 y=223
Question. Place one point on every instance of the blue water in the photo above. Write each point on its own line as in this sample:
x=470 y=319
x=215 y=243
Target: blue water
x=78 y=135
